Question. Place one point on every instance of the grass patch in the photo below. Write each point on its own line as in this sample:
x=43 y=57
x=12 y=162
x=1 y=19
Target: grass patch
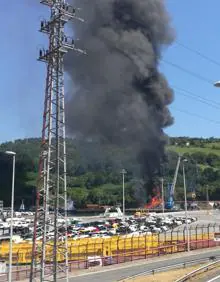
x=190 y=150
x=168 y=276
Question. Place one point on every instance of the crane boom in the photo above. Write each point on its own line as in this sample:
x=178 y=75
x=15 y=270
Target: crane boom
x=175 y=175
x=171 y=187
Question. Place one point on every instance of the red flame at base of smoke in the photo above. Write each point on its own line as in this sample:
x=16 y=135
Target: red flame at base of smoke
x=155 y=200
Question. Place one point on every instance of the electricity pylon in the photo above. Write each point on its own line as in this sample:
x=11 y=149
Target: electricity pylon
x=50 y=246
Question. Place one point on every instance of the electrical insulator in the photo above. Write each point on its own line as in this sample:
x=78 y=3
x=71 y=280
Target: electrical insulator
x=40 y=53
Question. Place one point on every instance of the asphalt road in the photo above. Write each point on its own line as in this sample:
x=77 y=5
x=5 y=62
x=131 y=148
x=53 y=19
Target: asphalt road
x=212 y=276
x=111 y=275
x=215 y=278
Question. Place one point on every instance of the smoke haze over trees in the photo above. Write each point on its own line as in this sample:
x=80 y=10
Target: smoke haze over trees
x=95 y=178
x=118 y=93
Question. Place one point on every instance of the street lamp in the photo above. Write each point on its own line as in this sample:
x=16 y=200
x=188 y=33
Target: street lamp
x=162 y=187
x=13 y=154
x=207 y=198
x=217 y=83
x=123 y=172
x=162 y=192
x=186 y=211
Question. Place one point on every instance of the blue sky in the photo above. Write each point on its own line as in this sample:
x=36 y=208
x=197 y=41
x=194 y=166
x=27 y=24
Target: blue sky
x=22 y=78
x=197 y=25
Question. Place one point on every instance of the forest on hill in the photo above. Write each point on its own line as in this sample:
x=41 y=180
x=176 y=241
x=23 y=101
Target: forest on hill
x=94 y=171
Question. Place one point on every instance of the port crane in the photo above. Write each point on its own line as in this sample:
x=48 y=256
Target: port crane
x=171 y=187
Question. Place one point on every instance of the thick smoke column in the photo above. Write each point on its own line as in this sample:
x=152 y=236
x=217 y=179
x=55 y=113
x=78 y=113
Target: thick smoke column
x=118 y=92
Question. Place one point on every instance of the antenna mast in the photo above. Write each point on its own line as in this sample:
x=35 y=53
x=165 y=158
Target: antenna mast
x=50 y=246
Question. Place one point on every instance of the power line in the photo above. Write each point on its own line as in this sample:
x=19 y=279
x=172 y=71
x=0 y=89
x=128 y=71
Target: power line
x=193 y=96
x=198 y=53
x=195 y=115
x=185 y=70
x=197 y=99
x=190 y=92
x=188 y=71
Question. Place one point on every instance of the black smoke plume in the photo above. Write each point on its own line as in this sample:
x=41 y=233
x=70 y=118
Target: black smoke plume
x=118 y=92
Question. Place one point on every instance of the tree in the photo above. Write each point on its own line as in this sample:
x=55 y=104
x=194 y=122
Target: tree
x=98 y=196
x=79 y=196
x=93 y=171
x=212 y=159
x=209 y=175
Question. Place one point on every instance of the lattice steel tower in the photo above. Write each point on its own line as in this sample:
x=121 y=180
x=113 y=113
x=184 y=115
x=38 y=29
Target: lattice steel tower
x=50 y=246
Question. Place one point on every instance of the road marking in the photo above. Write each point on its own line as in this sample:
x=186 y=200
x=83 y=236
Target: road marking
x=214 y=279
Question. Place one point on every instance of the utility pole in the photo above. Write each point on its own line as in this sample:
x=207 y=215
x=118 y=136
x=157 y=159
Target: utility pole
x=162 y=192
x=207 y=198
x=123 y=172
x=162 y=187
x=13 y=154
x=48 y=252
x=186 y=210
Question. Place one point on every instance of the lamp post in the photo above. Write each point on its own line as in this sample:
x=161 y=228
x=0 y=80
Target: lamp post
x=123 y=172
x=13 y=154
x=207 y=198
x=186 y=211
x=162 y=187
x=217 y=83
x=162 y=192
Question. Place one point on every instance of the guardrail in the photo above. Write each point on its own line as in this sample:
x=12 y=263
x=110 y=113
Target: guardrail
x=174 y=266
x=193 y=273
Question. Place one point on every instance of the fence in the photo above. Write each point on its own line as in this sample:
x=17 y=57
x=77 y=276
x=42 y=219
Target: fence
x=117 y=249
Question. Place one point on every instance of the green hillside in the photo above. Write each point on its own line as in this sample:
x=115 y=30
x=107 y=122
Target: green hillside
x=212 y=148
x=94 y=171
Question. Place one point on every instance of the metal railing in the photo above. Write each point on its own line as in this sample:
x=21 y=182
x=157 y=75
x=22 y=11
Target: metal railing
x=171 y=267
x=198 y=271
